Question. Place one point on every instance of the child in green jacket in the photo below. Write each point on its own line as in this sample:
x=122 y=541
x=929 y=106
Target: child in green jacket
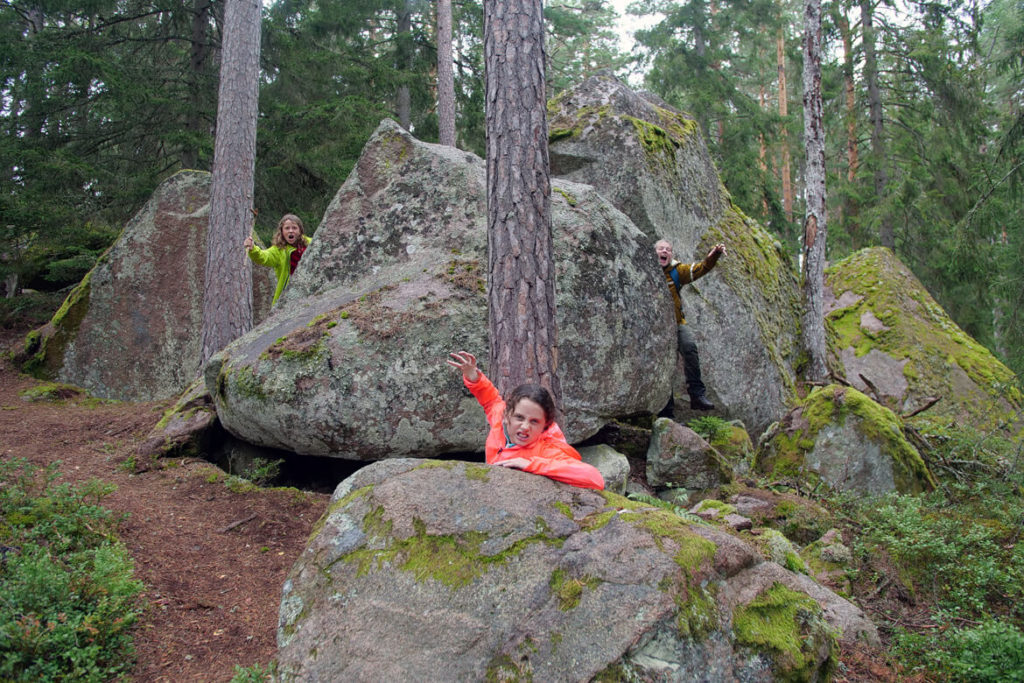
x=287 y=247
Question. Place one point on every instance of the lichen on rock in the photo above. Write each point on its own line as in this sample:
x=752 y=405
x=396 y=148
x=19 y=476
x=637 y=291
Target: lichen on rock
x=843 y=439
x=516 y=575
x=882 y=323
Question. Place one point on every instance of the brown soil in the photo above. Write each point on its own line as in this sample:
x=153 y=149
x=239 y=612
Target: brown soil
x=213 y=561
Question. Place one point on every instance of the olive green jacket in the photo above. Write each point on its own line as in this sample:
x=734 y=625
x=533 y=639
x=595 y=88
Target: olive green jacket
x=687 y=273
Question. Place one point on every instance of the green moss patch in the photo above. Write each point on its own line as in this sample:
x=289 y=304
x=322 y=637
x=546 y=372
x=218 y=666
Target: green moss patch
x=789 y=626
x=568 y=590
x=465 y=275
x=784 y=458
x=918 y=331
x=50 y=392
x=304 y=343
x=43 y=353
x=453 y=560
x=761 y=273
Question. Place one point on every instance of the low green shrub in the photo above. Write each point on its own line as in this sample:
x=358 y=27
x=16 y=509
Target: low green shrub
x=709 y=427
x=956 y=552
x=255 y=673
x=991 y=652
x=68 y=599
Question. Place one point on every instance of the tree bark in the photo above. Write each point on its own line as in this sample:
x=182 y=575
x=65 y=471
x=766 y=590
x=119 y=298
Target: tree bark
x=198 y=52
x=762 y=151
x=521 y=282
x=848 y=211
x=849 y=88
x=787 y=185
x=403 y=102
x=227 y=293
x=881 y=175
x=445 y=76
x=815 y=228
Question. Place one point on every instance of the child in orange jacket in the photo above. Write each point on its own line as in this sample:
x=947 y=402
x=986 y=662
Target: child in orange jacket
x=524 y=434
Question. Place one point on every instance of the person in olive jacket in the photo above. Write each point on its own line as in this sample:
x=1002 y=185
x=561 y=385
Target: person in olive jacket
x=676 y=275
x=287 y=246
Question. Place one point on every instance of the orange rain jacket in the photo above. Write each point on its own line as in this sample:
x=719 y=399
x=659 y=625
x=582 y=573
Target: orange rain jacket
x=549 y=456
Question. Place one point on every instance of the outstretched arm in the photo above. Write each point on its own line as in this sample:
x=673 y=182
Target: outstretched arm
x=716 y=252
x=693 y=271
x=478 y=384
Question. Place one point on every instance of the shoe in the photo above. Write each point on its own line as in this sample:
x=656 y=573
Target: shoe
x=701 y=403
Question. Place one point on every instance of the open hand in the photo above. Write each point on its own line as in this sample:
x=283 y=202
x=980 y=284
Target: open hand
x=466 y=362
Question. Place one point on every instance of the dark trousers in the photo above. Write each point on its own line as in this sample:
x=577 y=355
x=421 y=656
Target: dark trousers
x=691 y=362
x=691 y=366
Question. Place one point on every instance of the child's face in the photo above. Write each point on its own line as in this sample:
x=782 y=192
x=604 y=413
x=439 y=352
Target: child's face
x=525 y=422
x=290 y=231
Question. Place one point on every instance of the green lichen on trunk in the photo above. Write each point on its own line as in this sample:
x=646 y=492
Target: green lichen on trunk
x=790 y=627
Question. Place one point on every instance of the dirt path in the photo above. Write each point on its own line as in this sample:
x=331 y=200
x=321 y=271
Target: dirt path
x=213 y=561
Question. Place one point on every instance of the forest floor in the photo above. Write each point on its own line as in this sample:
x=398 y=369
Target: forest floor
x=213 y=558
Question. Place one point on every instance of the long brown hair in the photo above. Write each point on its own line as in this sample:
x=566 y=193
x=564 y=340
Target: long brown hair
x=278 y=240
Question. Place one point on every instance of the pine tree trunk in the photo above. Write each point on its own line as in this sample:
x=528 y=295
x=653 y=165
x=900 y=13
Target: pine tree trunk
x=403 y=102
x=848 y=211
x=762 y=152
x=199 y=50
x=521 y=282
x=445 y=77
x=815 y=229
x=881 y=176
x=227 y=294
x=851 y=96
x=787 y=185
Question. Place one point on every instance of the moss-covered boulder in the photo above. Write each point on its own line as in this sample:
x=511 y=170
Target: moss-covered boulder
x=828 y=559
x=652 y=163
x=729 y=438
x=187 y=428
x=887 y=330
x=351 y=364
x=839 y=437
x=429 y=570
x=679 y=458
x=130 y=330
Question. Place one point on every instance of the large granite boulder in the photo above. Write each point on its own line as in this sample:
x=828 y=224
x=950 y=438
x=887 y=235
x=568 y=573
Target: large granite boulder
x=679 y=458
x=429 y=570
x=840 y=437
x=351 y=364
x=652 y=163
x=893 y=341
x=130 y=330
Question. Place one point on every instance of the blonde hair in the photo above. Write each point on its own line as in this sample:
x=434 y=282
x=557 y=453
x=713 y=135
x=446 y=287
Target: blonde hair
x=278 y=240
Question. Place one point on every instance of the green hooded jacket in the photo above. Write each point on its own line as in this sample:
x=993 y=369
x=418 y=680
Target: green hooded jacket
x=278 y=258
